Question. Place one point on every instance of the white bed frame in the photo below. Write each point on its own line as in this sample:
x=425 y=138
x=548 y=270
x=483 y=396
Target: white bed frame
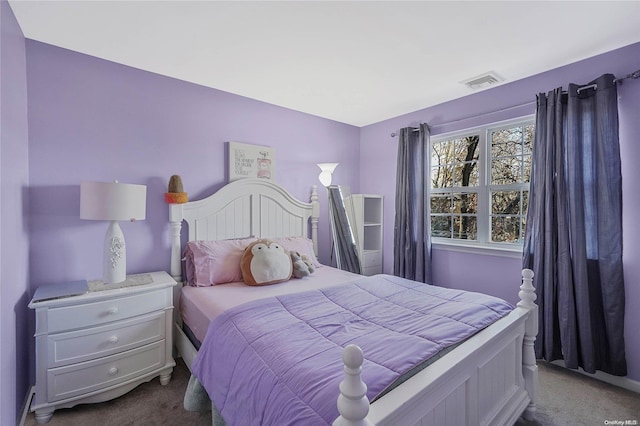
x=490 y=379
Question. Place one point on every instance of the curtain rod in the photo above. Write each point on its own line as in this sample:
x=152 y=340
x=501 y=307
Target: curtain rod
x=415 y=129
x=635 y=74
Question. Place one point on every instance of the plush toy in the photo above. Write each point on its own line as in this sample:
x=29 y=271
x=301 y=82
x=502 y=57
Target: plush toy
x=265 y=262
x=175 y=193
x=300 y=267
x=309 y=263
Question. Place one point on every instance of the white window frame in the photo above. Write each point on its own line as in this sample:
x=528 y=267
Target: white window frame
x=482 y=245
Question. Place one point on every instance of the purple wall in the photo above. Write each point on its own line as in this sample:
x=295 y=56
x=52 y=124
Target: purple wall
x=91 y=119
x=14 y=247
x=377 y=175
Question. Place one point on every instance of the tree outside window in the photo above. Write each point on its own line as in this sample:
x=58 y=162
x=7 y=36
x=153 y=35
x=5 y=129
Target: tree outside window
x=480 y=184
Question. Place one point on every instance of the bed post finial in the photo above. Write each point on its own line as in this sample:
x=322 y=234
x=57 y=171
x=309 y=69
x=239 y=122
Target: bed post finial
x=353 y=404
x=315 y=214
x=528 y=296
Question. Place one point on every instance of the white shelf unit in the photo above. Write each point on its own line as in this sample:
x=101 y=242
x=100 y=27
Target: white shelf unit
x=367 y=212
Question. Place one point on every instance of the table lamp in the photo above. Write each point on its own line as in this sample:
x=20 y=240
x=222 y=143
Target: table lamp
x=113 y=202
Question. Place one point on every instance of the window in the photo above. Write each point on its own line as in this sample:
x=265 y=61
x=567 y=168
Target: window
x=480 y=184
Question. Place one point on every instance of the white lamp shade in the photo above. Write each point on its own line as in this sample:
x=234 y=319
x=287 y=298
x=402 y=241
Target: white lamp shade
x=112 y=201
x=327 y=171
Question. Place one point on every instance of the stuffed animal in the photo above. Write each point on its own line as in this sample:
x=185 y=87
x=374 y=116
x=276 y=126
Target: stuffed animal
x=265 y=262
x=300 y=267
x=309 y=263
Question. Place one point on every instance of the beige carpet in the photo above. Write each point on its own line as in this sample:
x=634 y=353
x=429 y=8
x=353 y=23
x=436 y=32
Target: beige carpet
x=566 y=398
x=148 y=404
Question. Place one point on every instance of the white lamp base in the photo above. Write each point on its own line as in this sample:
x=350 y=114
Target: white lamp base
x=114 y=266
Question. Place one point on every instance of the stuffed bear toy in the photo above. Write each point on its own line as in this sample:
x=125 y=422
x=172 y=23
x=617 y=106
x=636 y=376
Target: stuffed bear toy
x=300 y=267
x=265 y=262
x=309 y=263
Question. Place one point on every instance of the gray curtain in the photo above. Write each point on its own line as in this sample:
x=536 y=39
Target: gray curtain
x=412 y=230
x=573 y=239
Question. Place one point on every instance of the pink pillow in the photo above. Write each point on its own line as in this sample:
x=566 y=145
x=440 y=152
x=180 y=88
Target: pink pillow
x=209 y=263
x=302 y=245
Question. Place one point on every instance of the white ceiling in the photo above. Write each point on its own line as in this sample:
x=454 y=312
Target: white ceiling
x=355 y=62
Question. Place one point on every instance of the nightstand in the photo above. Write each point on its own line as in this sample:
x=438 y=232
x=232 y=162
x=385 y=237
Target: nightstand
x=95 y=342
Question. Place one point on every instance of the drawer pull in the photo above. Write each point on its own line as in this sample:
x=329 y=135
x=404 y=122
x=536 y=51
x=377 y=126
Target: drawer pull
x=113 y=311
x=113 y=371
x=113 y=339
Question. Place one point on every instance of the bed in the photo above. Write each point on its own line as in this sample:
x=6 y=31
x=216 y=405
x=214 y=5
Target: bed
x=488 y=379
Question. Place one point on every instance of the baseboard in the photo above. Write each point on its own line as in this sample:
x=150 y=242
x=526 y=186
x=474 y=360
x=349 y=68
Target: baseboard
x=26 y=404
x=621 y=382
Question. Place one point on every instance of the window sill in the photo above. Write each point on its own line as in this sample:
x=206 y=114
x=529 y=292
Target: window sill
x=478 y=248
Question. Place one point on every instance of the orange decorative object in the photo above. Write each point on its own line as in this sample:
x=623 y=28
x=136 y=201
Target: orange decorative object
x=176 y=197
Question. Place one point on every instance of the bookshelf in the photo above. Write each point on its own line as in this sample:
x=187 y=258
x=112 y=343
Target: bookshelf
x=367 y=212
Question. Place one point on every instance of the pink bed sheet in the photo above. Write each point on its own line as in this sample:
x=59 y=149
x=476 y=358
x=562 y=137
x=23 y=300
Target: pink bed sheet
x=200 y=305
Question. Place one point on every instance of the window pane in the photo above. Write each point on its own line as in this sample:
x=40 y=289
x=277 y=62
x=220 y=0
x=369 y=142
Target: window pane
x=442 y=177
x=465 y=227
x=466 y=149
x=528 y=138
x=525 y=202
x=505 y=202
x=467 y=174
x=443 y=153
x=527 y=168
x=506 y=142
x=440 y=204
x=505 y=229
x=505 y=171
x=465 y=203
x=441 y=226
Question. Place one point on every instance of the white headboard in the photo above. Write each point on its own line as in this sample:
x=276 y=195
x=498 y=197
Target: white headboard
x=243 y=208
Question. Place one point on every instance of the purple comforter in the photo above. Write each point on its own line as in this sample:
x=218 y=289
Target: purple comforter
x=278 y=361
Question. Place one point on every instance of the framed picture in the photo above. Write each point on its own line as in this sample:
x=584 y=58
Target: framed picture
x=251 y=161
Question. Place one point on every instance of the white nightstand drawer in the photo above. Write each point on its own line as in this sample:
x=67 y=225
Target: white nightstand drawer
x=372 y=270
x=90 y=343
x=371 y=258
x=77 y=379
x=89 y=314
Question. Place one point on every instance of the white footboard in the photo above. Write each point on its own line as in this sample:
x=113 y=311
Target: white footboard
x=489 y=380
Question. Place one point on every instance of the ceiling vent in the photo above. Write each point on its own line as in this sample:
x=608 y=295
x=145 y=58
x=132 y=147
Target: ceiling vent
x=483 y=81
